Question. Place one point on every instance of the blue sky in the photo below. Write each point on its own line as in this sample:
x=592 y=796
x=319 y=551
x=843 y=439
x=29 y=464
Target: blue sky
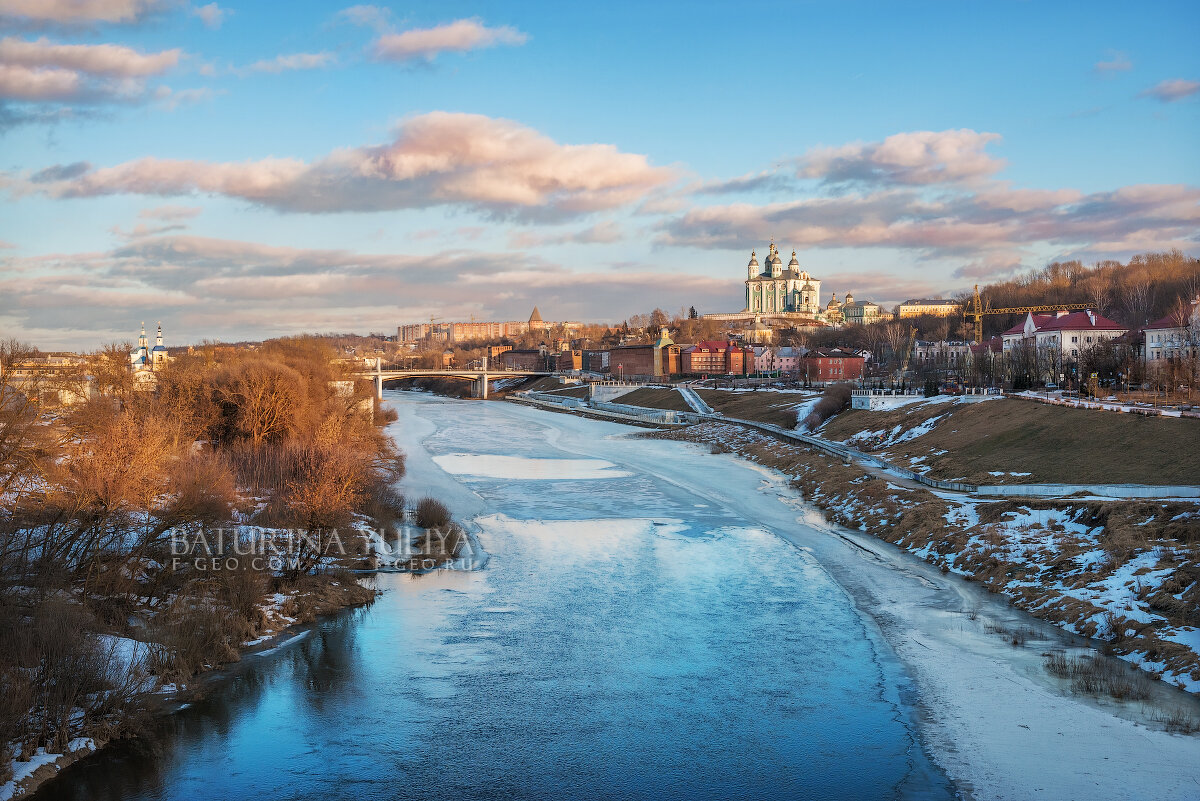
x=238 y=171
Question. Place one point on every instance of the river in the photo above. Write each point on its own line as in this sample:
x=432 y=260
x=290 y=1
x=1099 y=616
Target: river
x=640 y=630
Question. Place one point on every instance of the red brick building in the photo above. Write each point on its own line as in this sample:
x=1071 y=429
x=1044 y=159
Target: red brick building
x=830 y=364
x=718 y=358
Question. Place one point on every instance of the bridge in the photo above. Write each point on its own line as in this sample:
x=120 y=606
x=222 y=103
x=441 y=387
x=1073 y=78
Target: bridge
x=478 y=376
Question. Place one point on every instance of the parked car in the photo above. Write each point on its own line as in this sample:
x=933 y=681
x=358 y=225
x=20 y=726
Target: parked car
x=1051 y=387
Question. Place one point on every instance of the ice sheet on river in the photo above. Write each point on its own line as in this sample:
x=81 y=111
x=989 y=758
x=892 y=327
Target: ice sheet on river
x=489 y=465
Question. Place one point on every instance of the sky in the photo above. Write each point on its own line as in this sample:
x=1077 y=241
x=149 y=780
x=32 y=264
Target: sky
x=249 y=170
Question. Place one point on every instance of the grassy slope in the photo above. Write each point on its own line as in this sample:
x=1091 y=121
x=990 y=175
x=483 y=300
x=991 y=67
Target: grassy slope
x=777 y=408
x=1052 y=443
x=655 y=399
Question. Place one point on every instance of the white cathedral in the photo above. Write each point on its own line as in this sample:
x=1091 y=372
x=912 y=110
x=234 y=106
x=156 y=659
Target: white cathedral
x=775 y=290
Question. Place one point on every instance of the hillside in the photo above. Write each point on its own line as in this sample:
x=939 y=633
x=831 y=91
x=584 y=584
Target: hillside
x=1017 y=441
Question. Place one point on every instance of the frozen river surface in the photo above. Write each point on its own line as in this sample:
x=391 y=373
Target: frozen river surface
x=639 y=631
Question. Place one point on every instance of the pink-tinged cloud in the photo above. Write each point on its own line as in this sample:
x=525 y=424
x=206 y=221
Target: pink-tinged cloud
x=23 y=83
x=44 y=72
x=1173 y=90
x=913 y=158
x=496 y=166
x=105 y=60
x=211 y=15
x=79 y=11
x=455 y=37
x=293 y=61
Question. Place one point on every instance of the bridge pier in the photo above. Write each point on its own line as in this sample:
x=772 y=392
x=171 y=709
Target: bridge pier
x=379 y=378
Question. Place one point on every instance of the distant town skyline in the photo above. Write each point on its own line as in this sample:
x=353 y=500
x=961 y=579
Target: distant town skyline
x=239 y=172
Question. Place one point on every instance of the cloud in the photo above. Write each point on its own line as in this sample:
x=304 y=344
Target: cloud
x=292 y=61
x=602 y=233
x=142 y=230
x=172 y=99
x=494 y=166
x=367 y=16
x=993 y=218
x=53 y=75
x=1117 y=62
x=768 y=180
x=211 y=15
x=1171 y=91
x=60 y=172
x=170 y=212
x=226 y=289
x=79 y=11
x=992 y=266
x=455 y=37
x=102 y=60
x=914 y=158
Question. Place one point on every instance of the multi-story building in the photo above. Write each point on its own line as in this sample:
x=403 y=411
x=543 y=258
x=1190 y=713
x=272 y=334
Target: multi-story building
x=860 y=312
x=771 y=360
x=1175 y=336
x=718 y=358
x=938 y=307
x=832 y=364
x=950 y=354
x=1063 y=335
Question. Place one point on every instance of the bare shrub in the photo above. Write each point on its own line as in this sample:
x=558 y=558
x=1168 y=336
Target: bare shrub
x=1099 y=676
x=835 y=399
x=432 y=513
x=1180 y=721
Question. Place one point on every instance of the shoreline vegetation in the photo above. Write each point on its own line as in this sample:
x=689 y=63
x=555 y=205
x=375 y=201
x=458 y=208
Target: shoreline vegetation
x=152 y=534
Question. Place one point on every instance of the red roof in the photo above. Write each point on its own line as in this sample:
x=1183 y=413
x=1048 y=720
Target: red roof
x=1038 y=320
x=1172 y=320
x=1080 y=321
x=1075 y=321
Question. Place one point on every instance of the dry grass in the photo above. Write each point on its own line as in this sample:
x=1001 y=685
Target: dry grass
x=1099 y=676
x=1051 y=443
x=653 y=398
x=775 y=408
x=570 y=392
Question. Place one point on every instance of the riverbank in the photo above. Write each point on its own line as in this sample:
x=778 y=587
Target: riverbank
x=1118 y=571
x=287 y=616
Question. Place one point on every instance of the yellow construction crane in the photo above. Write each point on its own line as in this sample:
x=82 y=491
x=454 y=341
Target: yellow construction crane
x=975 y=310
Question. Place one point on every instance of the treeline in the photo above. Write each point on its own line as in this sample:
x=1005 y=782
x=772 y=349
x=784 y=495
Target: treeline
x=1145 y=288
x=97 y=495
